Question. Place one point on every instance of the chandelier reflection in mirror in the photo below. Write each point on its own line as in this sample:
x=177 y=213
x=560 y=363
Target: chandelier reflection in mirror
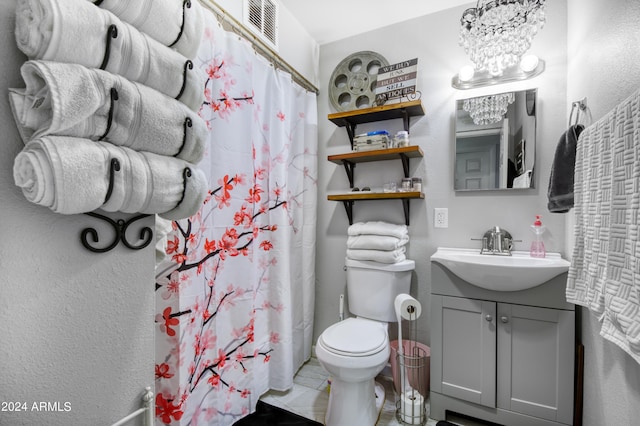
x=497 y=33
x=488 y=109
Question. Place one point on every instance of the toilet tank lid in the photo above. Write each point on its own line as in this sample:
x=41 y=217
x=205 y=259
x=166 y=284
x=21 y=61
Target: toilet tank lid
x=405 y=265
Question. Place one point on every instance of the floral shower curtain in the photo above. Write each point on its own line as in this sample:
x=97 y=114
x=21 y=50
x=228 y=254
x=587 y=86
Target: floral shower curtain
x=235 y=292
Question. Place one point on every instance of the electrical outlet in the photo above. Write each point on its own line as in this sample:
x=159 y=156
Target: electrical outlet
x=441 y=217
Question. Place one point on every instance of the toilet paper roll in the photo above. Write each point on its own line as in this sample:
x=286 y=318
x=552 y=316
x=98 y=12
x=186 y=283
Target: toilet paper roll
x=412 y=407
x=407 y=307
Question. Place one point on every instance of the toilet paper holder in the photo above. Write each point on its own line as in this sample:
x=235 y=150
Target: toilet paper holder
x=412 y=361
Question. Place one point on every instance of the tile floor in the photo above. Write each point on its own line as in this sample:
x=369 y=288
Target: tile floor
x=309 y=397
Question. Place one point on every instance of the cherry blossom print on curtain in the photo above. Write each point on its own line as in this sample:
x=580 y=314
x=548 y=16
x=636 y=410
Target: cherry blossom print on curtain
x=235 y=293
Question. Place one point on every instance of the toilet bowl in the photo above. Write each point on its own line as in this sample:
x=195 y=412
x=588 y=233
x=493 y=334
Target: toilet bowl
x=355 y=351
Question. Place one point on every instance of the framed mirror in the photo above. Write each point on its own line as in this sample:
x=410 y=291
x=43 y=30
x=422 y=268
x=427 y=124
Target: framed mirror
x=495 y=138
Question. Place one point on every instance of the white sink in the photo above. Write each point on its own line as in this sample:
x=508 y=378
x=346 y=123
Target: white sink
x=517 y=272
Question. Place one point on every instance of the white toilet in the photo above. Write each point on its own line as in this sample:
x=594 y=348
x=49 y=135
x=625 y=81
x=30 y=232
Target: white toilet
x=355 y=350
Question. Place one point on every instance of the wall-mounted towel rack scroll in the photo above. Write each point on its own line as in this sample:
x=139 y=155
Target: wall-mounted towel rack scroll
x=114 y=98
x=188 y=65
x=120 y=227
x=112 y=32
x=185 y=5
x=187 y=124
x=186 y=174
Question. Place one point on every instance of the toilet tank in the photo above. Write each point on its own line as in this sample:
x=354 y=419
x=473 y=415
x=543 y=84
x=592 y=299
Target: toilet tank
x=372 y=287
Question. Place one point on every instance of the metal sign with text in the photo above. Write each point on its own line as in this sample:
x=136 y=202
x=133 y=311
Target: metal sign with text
x=396 y=81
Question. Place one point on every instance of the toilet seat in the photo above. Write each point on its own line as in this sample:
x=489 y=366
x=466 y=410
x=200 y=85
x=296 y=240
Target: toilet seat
x=355 y=337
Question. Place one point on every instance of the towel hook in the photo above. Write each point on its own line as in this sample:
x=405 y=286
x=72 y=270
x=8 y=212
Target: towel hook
x=112 y=32
x=187 y=123
x=188 y=65
x=577 y=107
x=114 y=98
x=185 y=5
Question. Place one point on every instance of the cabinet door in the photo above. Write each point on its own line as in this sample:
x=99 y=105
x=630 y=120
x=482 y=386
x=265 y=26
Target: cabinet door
x=535 y=361
x=464 y=339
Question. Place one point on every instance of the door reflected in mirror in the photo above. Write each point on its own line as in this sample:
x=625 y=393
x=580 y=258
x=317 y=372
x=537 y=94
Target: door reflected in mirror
x=495 y=141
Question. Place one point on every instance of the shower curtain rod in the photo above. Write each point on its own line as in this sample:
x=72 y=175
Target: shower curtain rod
x=260 y=46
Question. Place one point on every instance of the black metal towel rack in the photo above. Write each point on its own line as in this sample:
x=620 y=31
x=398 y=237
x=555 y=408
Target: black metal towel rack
x=120 y=226
x=113 y=94
x=186 y=4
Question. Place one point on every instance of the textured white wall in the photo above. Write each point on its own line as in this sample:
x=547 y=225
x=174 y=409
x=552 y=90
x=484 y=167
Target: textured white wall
x=75 y=327
x=603 y=46
x=433 y=40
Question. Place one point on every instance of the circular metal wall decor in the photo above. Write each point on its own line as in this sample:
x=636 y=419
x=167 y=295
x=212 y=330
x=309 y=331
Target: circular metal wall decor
x=353 y=82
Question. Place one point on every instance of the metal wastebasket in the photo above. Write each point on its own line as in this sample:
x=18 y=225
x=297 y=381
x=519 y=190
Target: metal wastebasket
x=412 y=387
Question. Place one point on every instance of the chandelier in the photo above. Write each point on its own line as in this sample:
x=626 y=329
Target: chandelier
x=496 y=33
x=488 y=109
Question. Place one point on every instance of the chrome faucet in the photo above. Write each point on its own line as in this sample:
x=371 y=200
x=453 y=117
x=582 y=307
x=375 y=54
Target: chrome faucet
x=496 y=241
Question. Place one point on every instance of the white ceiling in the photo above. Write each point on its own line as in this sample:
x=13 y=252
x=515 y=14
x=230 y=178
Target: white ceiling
x=331 y=20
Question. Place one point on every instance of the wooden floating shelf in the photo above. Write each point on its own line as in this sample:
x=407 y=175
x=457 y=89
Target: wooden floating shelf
x=350 y=159
x=357 y=196
x=412 y=151
x=349 y=199
x=379 y=113
x=350 y=120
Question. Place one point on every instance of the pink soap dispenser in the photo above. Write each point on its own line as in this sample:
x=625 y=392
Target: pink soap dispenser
x=537 y=245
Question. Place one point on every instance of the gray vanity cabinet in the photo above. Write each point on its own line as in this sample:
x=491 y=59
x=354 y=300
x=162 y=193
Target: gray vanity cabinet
x=505 y=357
x=463 y=347
x=535 y=357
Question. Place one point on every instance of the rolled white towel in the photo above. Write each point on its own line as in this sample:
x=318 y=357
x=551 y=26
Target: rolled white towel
x=72 y=100
x=71 y=175
x=75 y=31
x=378 y=228
x=164 y=20
x=392 y=256
x=376 y=242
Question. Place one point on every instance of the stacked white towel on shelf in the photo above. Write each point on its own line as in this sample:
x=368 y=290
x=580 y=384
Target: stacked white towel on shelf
x=174 y=23
x=71 y=175
x=377 y=241
x=72 y=100
x=76 y=31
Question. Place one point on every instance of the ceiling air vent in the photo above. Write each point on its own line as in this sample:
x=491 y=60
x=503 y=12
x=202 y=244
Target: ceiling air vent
x=262 y=17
